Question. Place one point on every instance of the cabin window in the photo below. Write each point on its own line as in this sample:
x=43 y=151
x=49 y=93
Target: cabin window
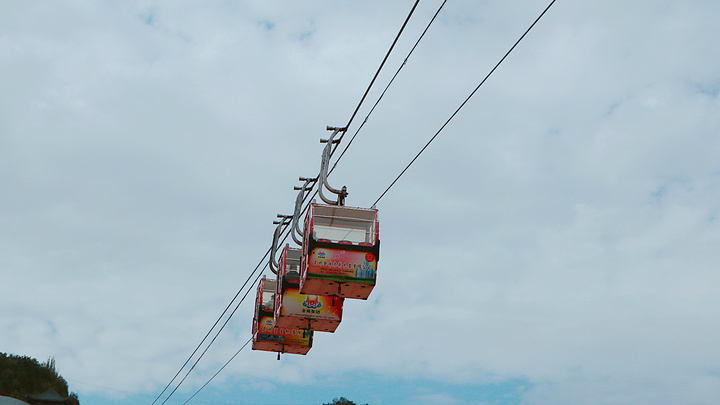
x=344 y=225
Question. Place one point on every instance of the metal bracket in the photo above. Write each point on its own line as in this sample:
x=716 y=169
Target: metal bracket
x=324 y=163
x=276 y=236
x=295 y=232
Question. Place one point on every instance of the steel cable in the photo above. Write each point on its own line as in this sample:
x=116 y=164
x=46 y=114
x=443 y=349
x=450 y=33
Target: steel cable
x=465 y=102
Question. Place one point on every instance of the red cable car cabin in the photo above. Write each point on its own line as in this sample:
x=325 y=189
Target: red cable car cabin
x=266 y=336
x=340 y=251
x=294 y=309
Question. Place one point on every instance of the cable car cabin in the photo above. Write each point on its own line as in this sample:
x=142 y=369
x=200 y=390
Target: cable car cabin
x=294 y=309
x=266 y=336
x=340 y=252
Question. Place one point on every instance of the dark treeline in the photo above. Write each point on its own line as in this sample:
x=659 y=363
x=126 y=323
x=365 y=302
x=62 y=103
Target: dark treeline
x=22 y=375
x=341 y=401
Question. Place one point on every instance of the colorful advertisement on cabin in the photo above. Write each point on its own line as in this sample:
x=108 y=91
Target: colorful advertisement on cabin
x=339 y=264
x=310 y=306
x=269 y=333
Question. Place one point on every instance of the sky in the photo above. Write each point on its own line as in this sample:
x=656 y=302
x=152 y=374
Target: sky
x=557 y=243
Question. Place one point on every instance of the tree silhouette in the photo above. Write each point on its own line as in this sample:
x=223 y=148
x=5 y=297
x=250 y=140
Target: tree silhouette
x=22 y=375
x=341 y=401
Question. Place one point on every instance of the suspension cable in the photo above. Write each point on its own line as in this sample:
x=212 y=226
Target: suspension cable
x=285 y=227
x=218 y=372
x=208 y=334
x=386 y=87
x=381 y=66
x=210 y=344
x=464 y=102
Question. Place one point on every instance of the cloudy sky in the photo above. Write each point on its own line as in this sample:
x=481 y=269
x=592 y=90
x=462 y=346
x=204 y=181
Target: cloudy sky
x=558 y=243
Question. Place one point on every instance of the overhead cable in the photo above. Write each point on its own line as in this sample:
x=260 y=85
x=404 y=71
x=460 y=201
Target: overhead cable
x=464 y=102
x=387 y=87
x=218 y=372
x=285 y=227
x=381 y=65
x=210 y=344
x=208 y=334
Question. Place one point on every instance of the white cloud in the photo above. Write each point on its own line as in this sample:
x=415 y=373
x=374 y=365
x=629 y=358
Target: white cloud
x=561 y=230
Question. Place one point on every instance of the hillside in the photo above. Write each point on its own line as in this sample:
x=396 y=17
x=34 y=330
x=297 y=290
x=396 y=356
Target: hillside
x=22 y=375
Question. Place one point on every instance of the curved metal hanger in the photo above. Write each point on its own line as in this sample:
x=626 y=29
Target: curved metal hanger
x=322 y=177
x=276 y=236
x=295 y=231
